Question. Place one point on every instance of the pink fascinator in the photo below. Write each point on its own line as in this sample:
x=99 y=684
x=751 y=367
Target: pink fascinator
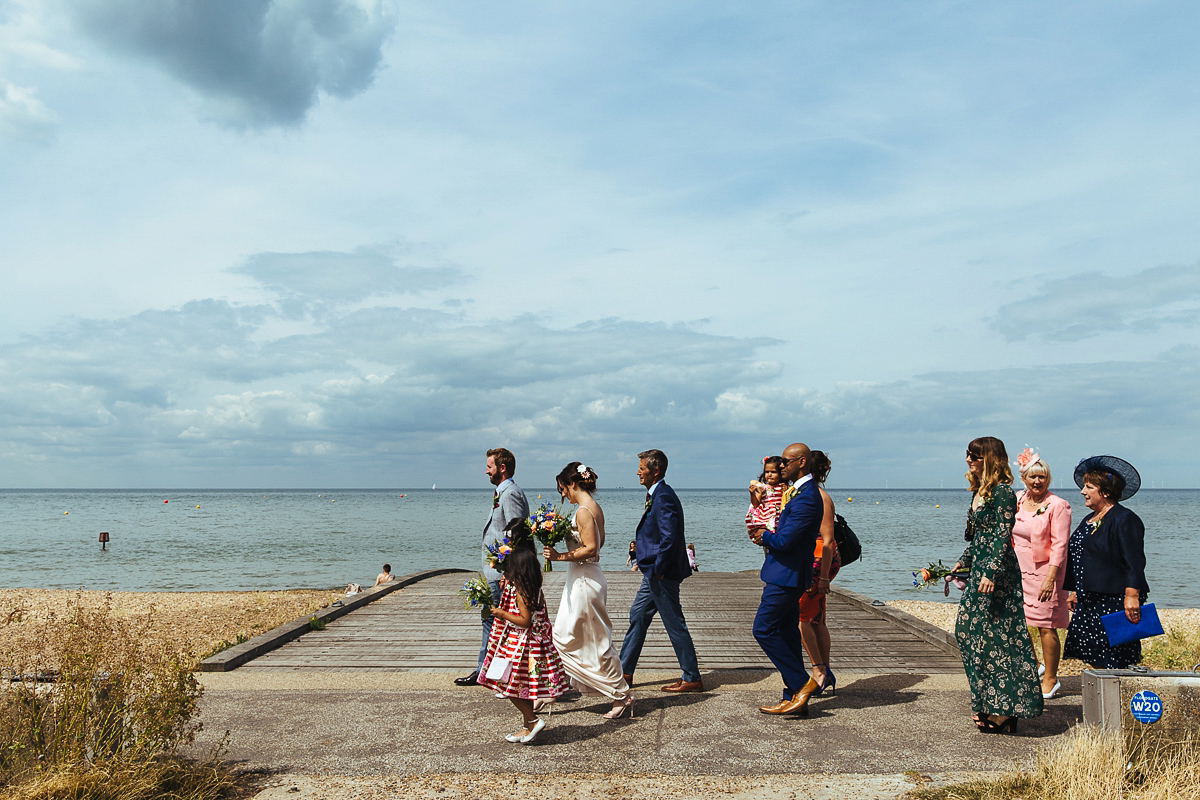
x=1027 y=459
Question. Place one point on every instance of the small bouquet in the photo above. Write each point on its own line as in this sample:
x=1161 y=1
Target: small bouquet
x=498 y=551
x=935 y=573
x=477 y=593
x=549 y=525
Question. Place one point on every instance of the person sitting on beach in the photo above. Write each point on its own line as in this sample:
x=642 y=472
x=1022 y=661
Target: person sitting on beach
x=385 y=576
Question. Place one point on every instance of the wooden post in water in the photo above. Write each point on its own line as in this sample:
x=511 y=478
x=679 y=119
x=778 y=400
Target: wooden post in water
x=103 y=539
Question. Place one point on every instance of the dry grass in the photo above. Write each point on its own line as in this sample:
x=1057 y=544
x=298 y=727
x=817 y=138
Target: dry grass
x=154 y=780
x=1178 y=650
x=195 y=623
x=94 y=707
x=1088 y=764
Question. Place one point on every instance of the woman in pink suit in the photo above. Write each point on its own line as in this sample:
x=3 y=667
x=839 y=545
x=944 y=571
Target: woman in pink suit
x=1040 y=535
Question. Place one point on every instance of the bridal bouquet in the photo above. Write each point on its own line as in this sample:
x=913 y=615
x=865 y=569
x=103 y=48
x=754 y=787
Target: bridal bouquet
x=935 y=573
x=549 y=525
x=477 y=594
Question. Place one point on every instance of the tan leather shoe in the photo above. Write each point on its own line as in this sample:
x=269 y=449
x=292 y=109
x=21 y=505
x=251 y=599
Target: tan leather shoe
x=797 y=705
x=775 y=709
x=680 y=686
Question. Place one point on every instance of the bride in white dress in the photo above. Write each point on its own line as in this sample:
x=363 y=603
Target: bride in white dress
x=582 y=629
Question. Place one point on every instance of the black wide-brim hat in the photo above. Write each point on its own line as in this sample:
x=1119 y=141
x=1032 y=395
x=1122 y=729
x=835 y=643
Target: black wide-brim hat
x=1117 y=466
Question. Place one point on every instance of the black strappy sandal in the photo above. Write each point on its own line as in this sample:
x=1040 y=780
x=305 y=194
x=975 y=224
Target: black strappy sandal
x=1008 y=726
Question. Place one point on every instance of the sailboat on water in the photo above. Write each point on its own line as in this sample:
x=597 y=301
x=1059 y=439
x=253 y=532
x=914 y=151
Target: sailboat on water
x=434 y=487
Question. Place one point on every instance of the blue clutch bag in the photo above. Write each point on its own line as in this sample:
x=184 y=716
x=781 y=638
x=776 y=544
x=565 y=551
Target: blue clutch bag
x=1120 y=630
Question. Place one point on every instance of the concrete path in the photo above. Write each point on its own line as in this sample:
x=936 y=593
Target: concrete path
x=321 y=725
x=402 y=724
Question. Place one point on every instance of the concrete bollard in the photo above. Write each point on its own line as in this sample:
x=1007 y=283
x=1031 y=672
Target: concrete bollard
x=1147 y=706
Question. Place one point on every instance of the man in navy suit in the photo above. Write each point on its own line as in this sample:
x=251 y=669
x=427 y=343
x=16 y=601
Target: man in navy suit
x=787 y=572
x=662 y=558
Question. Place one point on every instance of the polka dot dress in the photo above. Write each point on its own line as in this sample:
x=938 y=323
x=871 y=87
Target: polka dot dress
x=1086 y=638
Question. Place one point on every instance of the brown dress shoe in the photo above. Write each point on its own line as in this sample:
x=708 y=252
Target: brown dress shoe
x=775 y=709
x=684 y=686
x=628 y=679
x=797 y=705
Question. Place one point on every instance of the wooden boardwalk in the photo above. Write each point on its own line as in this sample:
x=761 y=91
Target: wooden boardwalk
x=425 y=627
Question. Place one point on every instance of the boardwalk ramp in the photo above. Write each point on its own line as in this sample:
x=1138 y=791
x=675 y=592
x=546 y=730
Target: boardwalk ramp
x=423 y=626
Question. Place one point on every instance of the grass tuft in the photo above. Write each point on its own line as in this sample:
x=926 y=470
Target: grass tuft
x=1179 y=649
x=1088 y=764
x=96 y=708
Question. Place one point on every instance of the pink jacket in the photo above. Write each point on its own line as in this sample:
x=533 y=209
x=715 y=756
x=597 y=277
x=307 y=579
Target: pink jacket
x=1049 y=530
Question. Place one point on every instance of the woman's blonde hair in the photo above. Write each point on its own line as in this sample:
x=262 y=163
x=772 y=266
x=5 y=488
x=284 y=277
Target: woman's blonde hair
x=995 y=465
x=1038 y=467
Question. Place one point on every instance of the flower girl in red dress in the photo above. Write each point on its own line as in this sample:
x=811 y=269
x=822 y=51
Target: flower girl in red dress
x=521 y=662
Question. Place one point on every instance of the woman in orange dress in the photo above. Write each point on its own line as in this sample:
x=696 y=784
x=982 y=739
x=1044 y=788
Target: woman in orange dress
x=1040 y=534
x=826 y=563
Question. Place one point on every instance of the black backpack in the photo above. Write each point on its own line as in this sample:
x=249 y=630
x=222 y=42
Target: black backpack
x=847 y=543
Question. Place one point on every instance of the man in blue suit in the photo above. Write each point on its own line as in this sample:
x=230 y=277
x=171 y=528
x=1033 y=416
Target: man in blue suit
x=787 y=573
x=662 y=558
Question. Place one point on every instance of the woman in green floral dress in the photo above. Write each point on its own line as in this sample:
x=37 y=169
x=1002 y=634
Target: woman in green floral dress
x=996 y=651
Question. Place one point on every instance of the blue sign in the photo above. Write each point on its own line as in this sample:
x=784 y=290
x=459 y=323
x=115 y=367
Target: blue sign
x=1146 y=707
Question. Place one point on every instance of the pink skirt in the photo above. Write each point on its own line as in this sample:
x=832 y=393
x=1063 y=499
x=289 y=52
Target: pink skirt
x=1051 y=613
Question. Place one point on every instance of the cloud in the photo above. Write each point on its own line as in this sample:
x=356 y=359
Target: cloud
x=206 y=390
x=257 y=62
x=1086 y=305
x=344 y=277
x=23 y=117
x=205 y=394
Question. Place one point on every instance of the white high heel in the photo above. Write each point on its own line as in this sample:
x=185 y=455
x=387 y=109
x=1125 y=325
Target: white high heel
x=619 y=711
x=1053 y=690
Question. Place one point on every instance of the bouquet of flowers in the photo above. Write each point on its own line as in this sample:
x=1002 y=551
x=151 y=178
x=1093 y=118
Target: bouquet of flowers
x=549 y=525
x=498 y=551
x=935 y=573
x=477 y=594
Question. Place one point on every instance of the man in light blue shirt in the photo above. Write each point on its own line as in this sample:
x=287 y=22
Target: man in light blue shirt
x=508 y=505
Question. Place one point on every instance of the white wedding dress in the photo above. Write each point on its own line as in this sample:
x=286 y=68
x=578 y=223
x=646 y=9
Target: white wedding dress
x=582 y=629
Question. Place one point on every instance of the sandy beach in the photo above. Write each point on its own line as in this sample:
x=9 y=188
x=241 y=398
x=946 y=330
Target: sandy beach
x=195 y=622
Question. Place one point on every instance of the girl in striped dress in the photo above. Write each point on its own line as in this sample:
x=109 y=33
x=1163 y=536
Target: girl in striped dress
x=522 y=634
x=766 y=495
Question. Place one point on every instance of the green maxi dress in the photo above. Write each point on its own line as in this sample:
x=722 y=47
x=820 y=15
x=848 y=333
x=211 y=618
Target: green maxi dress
x=996 y=651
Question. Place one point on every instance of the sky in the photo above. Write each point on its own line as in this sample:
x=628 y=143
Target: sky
x=350 y=243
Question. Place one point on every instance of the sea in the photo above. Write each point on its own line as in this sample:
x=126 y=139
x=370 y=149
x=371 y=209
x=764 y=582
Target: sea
x=212 y=540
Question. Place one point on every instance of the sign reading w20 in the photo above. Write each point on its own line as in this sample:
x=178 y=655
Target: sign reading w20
x=1146 y=707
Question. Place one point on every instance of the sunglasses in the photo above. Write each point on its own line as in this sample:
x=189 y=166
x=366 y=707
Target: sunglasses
x=972 y=457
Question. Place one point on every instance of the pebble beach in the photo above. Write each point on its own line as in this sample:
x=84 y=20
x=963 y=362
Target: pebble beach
x=195 y=622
